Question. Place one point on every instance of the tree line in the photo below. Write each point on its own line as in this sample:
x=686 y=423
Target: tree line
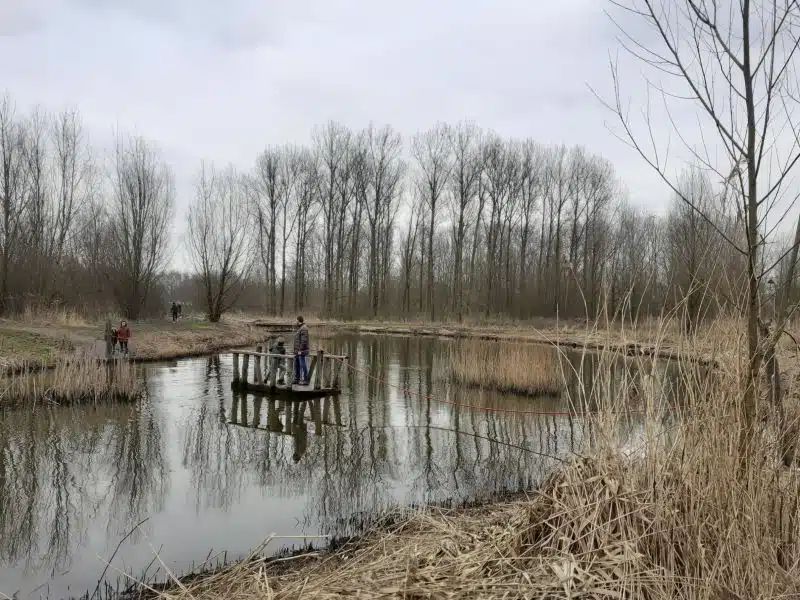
x=454 y=222
x=73 y=230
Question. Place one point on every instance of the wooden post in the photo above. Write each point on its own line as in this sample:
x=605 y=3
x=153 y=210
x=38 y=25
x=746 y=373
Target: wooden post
x=318 y=372
x=273 y=373
x=245 y=369
x=259 y=374
x=236 y=368
x=257 y=411
x=243 y=407
x=337 y=371
x=312 y=369
x=235 y=408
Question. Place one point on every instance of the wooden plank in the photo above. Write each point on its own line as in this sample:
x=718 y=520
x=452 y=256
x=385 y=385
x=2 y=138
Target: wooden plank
x=245 y=368
x=236 y=367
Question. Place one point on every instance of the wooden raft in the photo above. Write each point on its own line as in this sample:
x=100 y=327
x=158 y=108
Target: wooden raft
x=324 y=373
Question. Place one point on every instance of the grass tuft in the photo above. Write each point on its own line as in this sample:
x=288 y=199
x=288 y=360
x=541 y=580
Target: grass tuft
x=531 y=369
x=74 y=381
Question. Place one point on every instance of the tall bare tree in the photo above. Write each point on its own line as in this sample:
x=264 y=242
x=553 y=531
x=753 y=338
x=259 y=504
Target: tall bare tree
x=219 y=238
x=13 y=197
x=140 y=221
x=735 y=61
x=432 y=152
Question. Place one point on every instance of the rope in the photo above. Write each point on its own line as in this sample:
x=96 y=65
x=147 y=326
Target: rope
x=489 y=409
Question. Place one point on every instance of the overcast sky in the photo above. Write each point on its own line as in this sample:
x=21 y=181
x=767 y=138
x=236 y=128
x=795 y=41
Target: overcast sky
x=220 y=80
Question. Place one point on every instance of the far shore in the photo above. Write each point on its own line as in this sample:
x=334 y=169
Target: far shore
x=35 y=344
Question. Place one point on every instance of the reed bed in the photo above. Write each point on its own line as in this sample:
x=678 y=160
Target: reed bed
x=74 y=381
x=531 y=369
x=678 y=514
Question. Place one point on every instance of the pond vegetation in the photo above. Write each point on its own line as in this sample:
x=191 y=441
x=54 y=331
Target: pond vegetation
x=74 y=381
x=531 y=369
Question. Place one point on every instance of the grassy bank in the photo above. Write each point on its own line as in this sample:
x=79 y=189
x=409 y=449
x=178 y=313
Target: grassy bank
x=35 y=341
x=677 y=514
x=521 y=368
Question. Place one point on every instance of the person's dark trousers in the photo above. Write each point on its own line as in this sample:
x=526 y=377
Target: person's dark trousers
x=300 y=367
x=123 y=347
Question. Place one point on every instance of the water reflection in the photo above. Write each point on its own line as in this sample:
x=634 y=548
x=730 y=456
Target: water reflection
x=60 y=470
x=211 y=468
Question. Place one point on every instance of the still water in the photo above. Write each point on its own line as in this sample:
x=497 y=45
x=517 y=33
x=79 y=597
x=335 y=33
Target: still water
x=206 y=472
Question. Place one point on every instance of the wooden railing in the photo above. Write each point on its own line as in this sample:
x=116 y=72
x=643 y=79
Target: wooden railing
x=324 y=372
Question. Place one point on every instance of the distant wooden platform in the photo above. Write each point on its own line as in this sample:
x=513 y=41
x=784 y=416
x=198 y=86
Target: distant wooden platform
x=324 y=374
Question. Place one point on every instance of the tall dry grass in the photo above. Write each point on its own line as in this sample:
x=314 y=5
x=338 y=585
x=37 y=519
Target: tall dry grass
x=674 y=514
x=509 y=367
x=74 y=381
x=55 y=315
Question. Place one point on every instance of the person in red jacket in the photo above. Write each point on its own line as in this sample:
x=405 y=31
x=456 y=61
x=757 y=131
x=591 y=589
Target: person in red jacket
x=123 y=335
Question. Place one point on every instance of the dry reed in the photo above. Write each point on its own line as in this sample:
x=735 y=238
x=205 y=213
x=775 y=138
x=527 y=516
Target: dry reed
x=520 y=368
x=53 y=315
x=676 y=515
x=74 y=381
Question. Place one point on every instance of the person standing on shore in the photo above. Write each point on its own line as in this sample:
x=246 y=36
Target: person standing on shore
x=301 y=345
x=123 y=335
x=174 y=311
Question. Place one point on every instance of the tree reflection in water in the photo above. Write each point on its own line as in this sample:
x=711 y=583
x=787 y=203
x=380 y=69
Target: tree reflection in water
x=196 y=457
x=61 y=468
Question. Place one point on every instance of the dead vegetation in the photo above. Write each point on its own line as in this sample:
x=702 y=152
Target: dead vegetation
x=74 y=381
x=674 y=514
x=507 y=367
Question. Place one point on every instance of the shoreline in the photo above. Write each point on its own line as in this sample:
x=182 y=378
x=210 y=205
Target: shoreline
x=39 y=346
x=565 y=334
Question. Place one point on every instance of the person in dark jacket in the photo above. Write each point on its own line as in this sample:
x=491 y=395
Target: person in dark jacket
x=277 y=364
x=301 y=345
x=174 y=311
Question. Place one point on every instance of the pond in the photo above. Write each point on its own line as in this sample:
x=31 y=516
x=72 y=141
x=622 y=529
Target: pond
x=195 y=471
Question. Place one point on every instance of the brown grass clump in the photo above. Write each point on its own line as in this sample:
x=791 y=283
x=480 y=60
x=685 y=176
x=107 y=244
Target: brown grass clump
x=520 y=368
x=74 y=381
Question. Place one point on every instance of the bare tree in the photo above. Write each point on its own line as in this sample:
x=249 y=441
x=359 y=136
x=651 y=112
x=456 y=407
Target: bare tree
x=465 y=147
x=141 y=217
x=433 y=155
x=219 y=238
x=13 y=199
x=268 y=187
x=382 y=169
x=735 y=61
